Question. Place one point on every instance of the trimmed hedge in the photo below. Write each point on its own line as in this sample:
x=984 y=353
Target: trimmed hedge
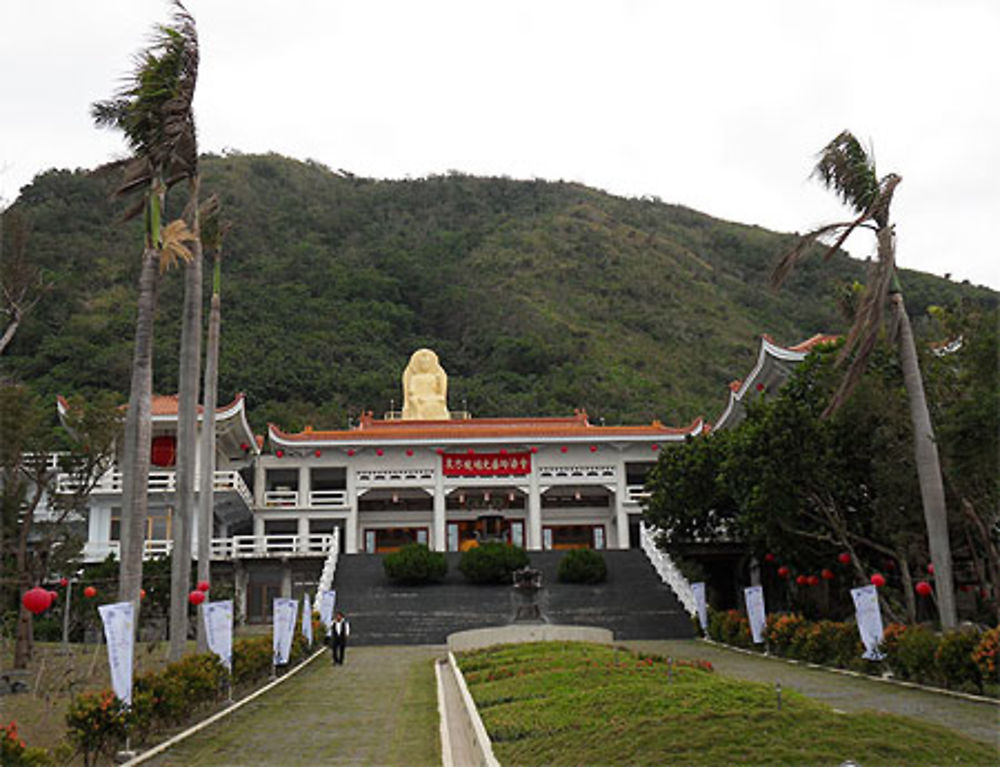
x=964 y=660
x=415 y=564
x=582 y=566
x=492 y=563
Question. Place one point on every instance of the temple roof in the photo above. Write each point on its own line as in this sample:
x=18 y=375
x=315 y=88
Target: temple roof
x=482 y=430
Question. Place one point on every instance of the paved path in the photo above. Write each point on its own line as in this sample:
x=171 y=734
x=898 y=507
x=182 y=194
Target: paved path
x=977 y=720
x=379 y=708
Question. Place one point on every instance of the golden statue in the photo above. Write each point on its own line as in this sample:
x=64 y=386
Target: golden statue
x=425 y=388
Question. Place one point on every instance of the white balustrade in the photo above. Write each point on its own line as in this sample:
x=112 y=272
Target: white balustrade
x=636 y=494
x=666 y=568
x=325 y=499
x=382 y=476
x=330 y=565
x=281 y=498
x=577 y=472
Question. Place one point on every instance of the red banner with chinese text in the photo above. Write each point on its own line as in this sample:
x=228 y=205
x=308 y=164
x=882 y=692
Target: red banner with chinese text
x=485 y=464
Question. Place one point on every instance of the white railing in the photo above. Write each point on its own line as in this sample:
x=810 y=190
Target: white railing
x=160 y=482
x=281 y=498
x=237 y=547
x=325 y=499
x=330 y=565
x=636 y=494
x=666 y=568
x=577 y=472
x=381 y=476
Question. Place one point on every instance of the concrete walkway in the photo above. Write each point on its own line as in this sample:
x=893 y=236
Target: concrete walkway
x=847 y=693
x=379 y=708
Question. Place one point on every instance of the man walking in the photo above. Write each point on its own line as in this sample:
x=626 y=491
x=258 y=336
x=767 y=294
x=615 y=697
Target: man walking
x=340 y=629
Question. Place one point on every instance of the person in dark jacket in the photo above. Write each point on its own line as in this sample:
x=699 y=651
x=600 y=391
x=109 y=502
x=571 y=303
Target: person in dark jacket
x=340 y=629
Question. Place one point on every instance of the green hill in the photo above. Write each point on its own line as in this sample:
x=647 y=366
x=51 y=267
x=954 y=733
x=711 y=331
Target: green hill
x=538 y=296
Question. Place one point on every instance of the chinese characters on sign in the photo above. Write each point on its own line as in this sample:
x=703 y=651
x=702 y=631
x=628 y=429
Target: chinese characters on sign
x=485 y=464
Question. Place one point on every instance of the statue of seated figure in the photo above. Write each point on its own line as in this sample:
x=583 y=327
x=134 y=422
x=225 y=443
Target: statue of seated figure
x=425 y=388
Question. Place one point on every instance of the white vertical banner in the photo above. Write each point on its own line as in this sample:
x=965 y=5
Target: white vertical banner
x=327 y=601
x=218 y=617
x=754 y=596
x=869 y=616
x=119 y=630
x=307 y=619
x=284 y=625
x=698 y=589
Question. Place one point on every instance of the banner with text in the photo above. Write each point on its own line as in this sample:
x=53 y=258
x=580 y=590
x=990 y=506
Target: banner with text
x=307 y=619
x=485 y=464
x=119 y=631
x=327 y=601
x=218 y=617
x=285 y=611
x=698 y=589
x=754 y=596
x=869 y=620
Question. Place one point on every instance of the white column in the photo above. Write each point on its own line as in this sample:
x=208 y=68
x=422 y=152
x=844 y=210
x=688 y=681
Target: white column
x=258 y=482
x=304 y=487
x=438 y=539
x=621 y=514
x=303 y=533
x=350 y=543
x=258 y=527
x=534 y=509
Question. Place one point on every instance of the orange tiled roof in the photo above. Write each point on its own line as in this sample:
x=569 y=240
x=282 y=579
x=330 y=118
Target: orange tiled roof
x=810 y=343
x=165 y=404
x=482 y=428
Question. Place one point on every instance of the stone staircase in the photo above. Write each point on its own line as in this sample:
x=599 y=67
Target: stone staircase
x=633 y=602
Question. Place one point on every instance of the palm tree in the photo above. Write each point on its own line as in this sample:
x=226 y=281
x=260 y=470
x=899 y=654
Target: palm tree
x=213 y=231
x=153 y=111
x=845 y=167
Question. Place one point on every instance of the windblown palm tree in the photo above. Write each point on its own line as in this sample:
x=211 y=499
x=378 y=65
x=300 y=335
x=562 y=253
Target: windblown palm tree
x=845 y=167
x=153 y=111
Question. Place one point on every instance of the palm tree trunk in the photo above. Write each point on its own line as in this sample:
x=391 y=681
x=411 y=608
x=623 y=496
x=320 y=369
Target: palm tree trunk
x=138 y=437
x=187 y=436
x=928 y=469
x=206 y=501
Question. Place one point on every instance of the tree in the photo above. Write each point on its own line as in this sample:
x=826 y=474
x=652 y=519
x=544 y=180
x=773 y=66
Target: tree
x=845 y=167
x=21 y=284
x=42 y=468
x=153 y=111
x=213 y=232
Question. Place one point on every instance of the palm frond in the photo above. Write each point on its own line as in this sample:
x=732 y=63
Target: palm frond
x=176 y=235
x=845 y=167
x=790 y=260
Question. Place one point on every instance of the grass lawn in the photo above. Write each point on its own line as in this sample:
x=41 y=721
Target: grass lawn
x=582 y=704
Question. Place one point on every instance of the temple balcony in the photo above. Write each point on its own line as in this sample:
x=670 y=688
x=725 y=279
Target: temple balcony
x=228 y=549
x=111 y=483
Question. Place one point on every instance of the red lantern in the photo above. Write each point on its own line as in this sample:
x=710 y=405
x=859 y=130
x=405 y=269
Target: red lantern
x=317 y=452
x=64 y=582
x=196 y=597
x=203 y=586
x=890 y=565
x=827 y=574
x=563 y=449
x=782 y=572
x=534 y=449
x=930 y=568
x=36 y=600
x=923 y=588
x=350 y=451
x=844 y=558
x=503 y=451
x=654 y=448
x=90 y=592
x=878 y=580
x=593 y=448
x=380 y=452
x=440 y=451
x=769 y=557
x=142 y=593
x=813 y=580
x=244 y=447
x=760 y=387
x=471 y=451
x=409 y=451
x=801 y=580
x=279 y=453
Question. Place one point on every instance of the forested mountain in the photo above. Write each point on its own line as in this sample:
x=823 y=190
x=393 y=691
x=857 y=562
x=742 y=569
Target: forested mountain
x=538 y=296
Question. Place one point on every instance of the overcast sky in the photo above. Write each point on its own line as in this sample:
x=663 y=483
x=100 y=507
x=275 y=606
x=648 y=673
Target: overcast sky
x=717 y=105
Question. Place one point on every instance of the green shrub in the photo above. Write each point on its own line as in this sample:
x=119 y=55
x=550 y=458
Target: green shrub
x=730 y=627
x=782 y=630
x=15 y=753
x=985 y=655
x=582 y=566
x=492 y=563
x=955 y=663
x=913 y=656
x=97 y=723
x=414 y=564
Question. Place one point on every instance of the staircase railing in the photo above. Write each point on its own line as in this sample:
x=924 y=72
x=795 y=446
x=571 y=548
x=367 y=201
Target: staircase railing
x=330 y=565
x=666 y=568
